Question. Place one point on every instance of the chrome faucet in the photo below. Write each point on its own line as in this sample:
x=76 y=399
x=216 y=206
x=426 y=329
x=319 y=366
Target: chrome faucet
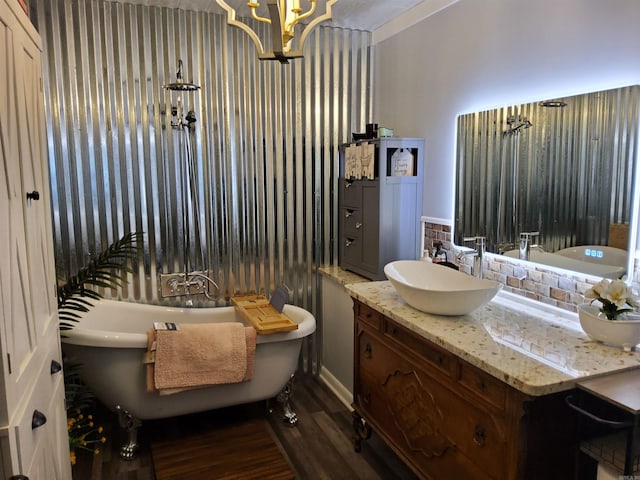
x=477 y=270
x=525 y=244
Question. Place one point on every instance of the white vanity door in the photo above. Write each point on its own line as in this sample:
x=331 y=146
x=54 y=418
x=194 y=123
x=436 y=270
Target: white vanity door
x=33 y=437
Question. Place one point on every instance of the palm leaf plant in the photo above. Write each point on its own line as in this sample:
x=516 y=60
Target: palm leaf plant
x=76 y=294
x=75 y=297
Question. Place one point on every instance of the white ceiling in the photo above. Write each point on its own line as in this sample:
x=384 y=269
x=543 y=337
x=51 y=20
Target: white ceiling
x=358 y=14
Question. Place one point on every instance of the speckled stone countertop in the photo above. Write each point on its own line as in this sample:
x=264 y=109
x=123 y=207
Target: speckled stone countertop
x=340 y=275
x=535 y=348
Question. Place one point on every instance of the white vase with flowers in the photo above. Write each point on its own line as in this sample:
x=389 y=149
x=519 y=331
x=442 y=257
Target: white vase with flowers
x=611 y=315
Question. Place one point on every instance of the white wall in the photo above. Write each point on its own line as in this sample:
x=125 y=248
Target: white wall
x=481 y=54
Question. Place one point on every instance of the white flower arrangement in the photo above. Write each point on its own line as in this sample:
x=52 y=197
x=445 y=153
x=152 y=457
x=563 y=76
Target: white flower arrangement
x=615 y=296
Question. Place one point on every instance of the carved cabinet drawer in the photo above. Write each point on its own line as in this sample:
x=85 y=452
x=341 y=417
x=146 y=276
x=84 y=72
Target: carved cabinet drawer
x=436 y=356
x=447 y=437
x=484 y=385
x=370 y=316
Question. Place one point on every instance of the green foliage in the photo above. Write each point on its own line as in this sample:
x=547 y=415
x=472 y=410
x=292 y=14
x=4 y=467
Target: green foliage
x=75 y=295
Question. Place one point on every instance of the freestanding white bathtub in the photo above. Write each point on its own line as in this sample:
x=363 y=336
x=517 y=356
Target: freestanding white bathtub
x=110 y=341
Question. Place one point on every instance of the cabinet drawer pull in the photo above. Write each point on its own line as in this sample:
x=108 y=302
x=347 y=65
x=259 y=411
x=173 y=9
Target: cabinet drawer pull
x=368 y=351
x=38 y=419
x=393 y=330
x=479 y=436
x=481 y=385
x=348 y=242
x=348 y=213
x=55 y=367
x=35 y=195
x=347 y=184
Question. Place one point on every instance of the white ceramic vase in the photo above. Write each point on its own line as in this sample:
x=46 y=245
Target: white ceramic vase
x=623 y=333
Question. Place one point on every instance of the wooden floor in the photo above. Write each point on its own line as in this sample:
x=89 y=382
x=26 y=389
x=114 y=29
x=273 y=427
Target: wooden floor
x=319 y=447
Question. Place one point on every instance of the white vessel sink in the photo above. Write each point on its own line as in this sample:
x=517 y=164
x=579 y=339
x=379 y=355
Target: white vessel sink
x=432 y=288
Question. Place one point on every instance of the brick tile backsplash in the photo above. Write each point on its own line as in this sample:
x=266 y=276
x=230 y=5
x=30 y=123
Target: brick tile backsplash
x=562 y=289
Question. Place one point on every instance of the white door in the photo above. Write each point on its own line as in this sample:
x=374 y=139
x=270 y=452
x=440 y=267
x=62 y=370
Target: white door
x=33 y=439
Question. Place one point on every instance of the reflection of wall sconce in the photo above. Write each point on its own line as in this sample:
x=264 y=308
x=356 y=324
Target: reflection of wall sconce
x=283 y=17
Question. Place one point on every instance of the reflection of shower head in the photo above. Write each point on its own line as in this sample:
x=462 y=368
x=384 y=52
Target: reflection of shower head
x=179 y=84
x=516 y=123
x=553 y=103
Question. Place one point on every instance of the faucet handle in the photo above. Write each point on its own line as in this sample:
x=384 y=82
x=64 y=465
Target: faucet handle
x=529 y=235
x=478 y=239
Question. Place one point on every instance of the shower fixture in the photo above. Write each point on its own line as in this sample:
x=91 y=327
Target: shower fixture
x=177 y=119
x=180 y=84
x=517 y=122
x=196 y=278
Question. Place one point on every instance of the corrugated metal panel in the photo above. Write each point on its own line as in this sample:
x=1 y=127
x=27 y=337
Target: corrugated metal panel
x=568 y=176
x=262 y=199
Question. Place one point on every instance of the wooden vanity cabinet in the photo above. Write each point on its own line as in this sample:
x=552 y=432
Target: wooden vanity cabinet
x=447 y=418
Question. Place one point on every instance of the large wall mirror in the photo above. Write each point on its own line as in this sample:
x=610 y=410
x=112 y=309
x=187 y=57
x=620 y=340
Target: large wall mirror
x=551 y=181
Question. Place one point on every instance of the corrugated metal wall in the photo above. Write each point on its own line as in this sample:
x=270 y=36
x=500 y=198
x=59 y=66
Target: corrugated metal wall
x=568 y=176
x=264 y=144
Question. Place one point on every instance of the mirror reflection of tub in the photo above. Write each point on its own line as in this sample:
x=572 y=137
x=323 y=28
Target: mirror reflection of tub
x=598 y=254
x=601 y=261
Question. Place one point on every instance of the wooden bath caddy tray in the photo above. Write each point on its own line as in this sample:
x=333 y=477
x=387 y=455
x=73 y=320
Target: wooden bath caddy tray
x=262 y=315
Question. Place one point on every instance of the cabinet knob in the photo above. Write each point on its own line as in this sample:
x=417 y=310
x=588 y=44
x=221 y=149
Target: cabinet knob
x=358 y=225
x=38 y=419
x=347 y=184
x=368 y=351
x=348 y=242
x=479 y=436
x=55 y=367
x=348 y=213
x=35 y=195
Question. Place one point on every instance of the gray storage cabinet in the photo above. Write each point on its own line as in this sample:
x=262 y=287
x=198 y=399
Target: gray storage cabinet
x=380 y=217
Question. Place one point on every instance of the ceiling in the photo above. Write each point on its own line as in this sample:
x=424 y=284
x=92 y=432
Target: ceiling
x=357 y=14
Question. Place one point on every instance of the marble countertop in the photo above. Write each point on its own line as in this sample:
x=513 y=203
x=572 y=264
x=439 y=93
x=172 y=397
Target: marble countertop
x=340 y=275
x=535 y=348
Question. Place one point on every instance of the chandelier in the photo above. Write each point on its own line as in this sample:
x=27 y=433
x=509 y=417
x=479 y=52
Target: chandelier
x=283 y=17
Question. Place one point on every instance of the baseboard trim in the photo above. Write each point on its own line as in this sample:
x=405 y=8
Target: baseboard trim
x=340 y=391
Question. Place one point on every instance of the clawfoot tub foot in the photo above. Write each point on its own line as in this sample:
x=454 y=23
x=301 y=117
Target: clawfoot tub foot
x=129 y=448
x=283 y=398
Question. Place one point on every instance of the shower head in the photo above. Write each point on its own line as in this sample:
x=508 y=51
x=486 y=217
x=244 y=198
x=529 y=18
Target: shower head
x=179 y=84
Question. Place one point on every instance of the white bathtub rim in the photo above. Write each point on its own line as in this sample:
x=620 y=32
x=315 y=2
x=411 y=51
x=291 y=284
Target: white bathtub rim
x=91 y=337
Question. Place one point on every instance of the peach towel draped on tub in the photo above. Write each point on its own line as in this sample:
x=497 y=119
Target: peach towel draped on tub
x=198 y=355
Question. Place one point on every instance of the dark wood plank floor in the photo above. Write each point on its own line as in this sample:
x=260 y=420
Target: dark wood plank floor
x=320 y=447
